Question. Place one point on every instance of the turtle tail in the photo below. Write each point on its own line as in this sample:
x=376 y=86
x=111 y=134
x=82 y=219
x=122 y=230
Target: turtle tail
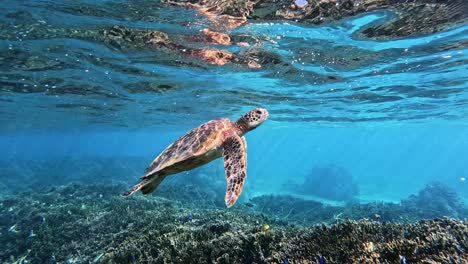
x=147 y=185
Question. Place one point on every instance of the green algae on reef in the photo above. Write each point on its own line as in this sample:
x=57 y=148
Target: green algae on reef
x=82 y=224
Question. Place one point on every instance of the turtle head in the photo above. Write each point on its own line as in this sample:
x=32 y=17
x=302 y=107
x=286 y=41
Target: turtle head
x=252 y=119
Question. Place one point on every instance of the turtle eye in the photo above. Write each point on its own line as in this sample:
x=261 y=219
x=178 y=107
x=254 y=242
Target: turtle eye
x=258 y=112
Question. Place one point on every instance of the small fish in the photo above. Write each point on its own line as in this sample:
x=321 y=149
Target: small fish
x=301 y=3
x=266 y=227
x=98 y=257
x=13 y=229
x=189 y=218
x=321 y=260
x=42 y=219
x=403 y=260
x=31 y=234
x=249 y=204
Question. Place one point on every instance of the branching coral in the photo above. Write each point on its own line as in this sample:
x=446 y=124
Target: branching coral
x=80 y=223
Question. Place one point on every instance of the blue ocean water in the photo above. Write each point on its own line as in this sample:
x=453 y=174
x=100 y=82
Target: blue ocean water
x=393 y=112
x=86 y=99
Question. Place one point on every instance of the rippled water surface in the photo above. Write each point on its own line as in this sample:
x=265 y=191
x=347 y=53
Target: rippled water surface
x=58 y=61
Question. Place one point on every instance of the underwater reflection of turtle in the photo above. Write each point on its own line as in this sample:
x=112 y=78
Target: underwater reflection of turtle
x=211 y=140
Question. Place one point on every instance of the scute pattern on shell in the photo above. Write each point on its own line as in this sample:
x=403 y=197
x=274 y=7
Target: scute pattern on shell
x=196 y=142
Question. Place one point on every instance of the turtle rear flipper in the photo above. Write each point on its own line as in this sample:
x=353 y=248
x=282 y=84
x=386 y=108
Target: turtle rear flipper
x=147 y=185
x=152 y=184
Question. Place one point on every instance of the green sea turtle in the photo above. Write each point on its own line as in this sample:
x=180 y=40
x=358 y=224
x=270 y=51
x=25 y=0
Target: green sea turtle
x=213 y=139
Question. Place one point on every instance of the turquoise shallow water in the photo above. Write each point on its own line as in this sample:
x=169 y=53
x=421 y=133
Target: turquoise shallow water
x=392 y=112
x=360 y=127
x=389 y=162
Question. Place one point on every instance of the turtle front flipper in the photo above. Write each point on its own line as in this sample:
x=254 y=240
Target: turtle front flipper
x=235 y=166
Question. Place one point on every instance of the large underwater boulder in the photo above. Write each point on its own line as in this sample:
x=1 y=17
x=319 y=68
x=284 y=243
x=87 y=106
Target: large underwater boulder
x=330 y=182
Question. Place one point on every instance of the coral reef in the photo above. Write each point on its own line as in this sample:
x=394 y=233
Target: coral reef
x=435 y=199
x=437 y=241
x=92 y=223
x=285 y=210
